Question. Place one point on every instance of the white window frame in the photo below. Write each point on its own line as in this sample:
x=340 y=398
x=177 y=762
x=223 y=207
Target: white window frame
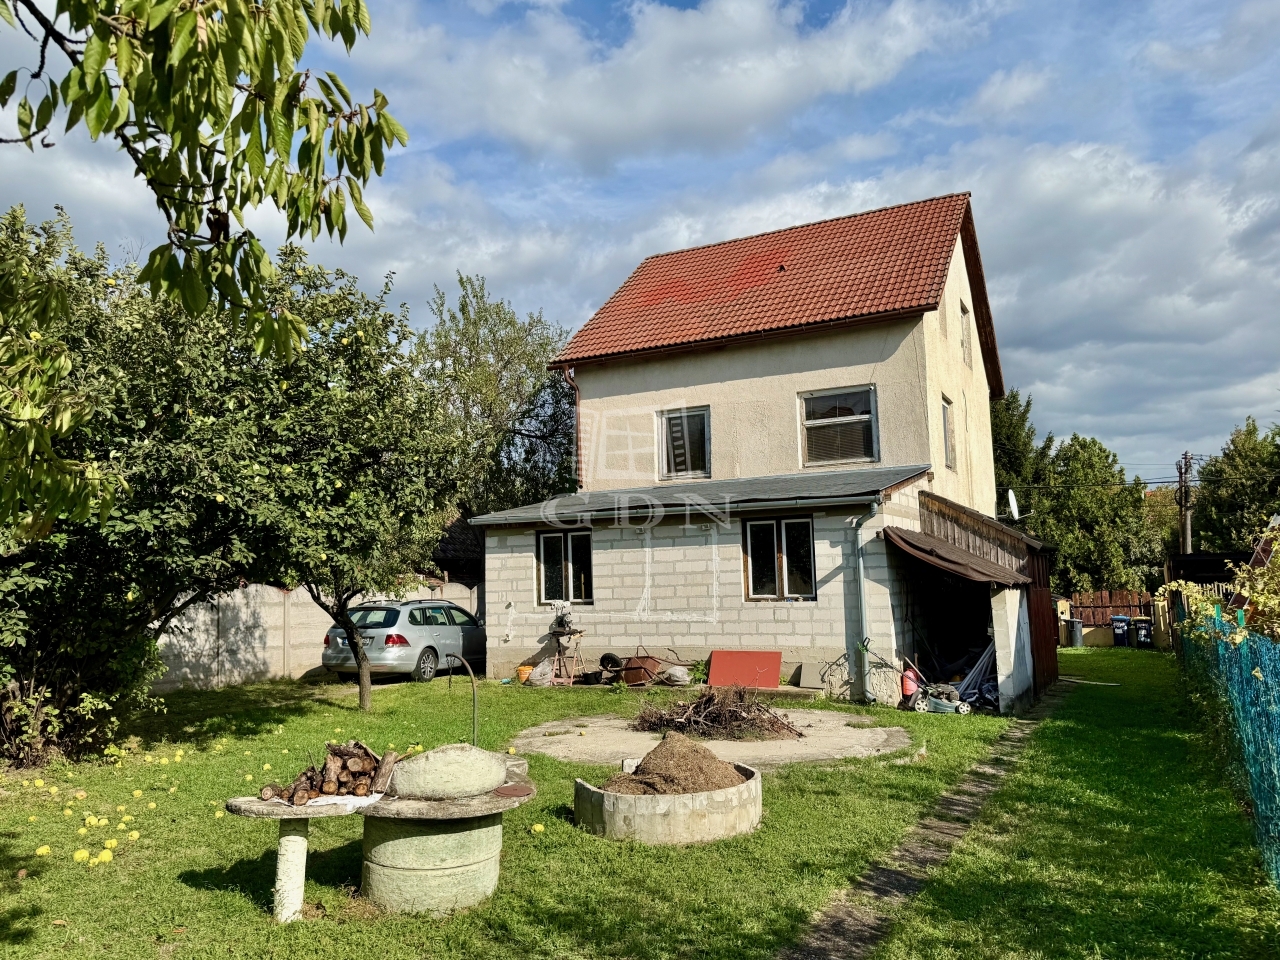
x=778 y=526
x=813 y=560
x=949 y=452
x=805 y=424
x=664 y=417
x=566 y=566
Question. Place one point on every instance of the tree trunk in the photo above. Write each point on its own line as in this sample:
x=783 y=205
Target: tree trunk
x=362 y=669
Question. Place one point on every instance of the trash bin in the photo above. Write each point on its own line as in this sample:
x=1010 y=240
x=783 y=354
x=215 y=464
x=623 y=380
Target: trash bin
x=1141 y=628
x=1075 y=633
x=1120 y=631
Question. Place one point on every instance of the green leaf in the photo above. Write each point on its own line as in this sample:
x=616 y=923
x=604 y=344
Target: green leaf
x=7 y=85
x=195 y=295
x=96 y=52
x=7 y=14
x=254 y=153
x=357 y=201
x=160 y=13
x=44 y=112
x=362 y=17
x=339 y=86
x=282 y=134
x=184 y=35
x=397 y=131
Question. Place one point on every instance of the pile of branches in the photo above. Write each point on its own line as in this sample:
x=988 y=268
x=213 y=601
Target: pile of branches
x=721 y=713
x=350 y=770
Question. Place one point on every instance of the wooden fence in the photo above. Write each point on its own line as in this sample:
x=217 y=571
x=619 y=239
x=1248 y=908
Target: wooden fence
x=1097 y=609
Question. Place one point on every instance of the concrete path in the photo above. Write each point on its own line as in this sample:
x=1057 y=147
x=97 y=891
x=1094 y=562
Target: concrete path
x=854 y=924
x=828 y=735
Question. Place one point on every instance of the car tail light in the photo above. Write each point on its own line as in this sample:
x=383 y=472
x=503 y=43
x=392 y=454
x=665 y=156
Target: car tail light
x=395 y=640
x=326 y=639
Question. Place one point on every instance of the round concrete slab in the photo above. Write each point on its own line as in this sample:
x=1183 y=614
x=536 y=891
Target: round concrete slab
x=828 y=735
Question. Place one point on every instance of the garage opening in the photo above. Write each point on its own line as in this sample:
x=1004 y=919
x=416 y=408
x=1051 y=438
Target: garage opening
x=945 y=607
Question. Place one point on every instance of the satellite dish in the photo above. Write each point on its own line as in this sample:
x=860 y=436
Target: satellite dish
x=1013 y=506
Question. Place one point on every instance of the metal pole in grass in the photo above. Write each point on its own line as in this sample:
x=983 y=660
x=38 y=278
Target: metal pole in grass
x=475 y=698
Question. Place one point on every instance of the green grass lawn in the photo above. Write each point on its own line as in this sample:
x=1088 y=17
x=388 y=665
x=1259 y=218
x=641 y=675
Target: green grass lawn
x=199 y=885
x=1114 y=838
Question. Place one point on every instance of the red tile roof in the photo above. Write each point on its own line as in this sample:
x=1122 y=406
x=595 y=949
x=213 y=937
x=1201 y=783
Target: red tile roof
x=866 y=266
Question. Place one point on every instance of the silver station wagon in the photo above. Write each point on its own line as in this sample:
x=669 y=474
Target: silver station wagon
x=413 y=636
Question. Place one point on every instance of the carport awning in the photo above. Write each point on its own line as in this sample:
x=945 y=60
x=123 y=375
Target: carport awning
x=952 y=559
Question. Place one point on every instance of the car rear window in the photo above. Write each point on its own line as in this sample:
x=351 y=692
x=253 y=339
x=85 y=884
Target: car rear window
x=374 y=617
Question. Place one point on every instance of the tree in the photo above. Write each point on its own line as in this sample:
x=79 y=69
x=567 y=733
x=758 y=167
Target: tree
x=1239 y=489
x=1095 y=519
x=365 y=464
x=328 y=471
x=180 y=404
x=206 y=100
x=1075 y=497
x=515 y=416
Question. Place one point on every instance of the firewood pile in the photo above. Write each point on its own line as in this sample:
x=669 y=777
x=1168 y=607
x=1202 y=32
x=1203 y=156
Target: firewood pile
x=350 y=770
x=721 y=713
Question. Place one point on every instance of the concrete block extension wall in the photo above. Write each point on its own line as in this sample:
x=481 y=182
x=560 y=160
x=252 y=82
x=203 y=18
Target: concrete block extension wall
x=260 y=633
x=679 y=585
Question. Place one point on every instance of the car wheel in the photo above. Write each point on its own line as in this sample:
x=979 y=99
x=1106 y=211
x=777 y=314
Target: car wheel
x=426 y=668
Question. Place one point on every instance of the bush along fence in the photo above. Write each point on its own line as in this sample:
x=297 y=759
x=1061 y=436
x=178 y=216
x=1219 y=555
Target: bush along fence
x=1235 y=676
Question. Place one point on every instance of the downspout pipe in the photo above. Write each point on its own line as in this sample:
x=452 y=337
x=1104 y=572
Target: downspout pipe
x=864 y=640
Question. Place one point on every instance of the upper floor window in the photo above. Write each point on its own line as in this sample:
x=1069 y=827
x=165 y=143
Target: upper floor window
x=949 y=433
x=686 y=442
x=966 y=335
x=564 y=566
x=840 y=426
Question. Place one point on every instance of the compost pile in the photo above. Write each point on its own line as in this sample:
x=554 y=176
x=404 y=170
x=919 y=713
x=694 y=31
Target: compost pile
x=721 y=713
x=676 y=765
x=350 y=770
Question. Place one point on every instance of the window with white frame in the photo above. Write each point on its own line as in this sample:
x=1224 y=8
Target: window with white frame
x=948 y=433
x=966 y=335
x=564 y=566
x=686 y=442
x=840 y=425
x=778 y=559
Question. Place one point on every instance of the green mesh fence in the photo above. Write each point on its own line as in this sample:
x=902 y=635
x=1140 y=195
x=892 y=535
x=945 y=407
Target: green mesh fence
x=1245 y=680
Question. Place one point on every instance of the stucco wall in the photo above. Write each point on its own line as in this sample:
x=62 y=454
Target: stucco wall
x=681 y=587
x=753 y=394
x=1010 y=618
x=972 y=482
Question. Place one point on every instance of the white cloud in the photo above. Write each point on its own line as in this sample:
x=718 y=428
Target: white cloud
x=697 y=79
x=1248 y=35
x=1008 y=91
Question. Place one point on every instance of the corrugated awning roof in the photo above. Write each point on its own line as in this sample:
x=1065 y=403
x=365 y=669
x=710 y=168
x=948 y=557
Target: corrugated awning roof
x=945 y=556
x=714 y=496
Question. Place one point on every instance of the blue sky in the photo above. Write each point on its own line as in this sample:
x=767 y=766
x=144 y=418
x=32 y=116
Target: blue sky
x=1124 y=161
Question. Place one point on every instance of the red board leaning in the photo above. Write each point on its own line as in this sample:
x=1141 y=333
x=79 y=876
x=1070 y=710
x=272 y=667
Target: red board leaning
x=745 y=668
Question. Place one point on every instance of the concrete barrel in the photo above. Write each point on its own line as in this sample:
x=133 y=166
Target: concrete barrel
x=672 y=818
x=431 y=866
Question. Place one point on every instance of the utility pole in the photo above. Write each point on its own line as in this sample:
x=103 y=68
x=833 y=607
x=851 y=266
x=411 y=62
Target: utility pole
x=1183 y=499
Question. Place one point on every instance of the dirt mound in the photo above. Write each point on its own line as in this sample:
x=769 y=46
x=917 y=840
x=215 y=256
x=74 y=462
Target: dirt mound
x=720 y=713
x=676 y=765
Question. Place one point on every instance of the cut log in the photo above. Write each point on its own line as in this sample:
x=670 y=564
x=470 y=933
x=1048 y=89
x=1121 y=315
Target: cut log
x=382 y=778
x=345 y=776
x=301 y=796
x=329 y=787
x=361 y=789
x=332 y=766
x=271 y=791
x=355 y=764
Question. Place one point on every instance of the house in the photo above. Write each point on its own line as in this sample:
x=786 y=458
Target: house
x=784 y=443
